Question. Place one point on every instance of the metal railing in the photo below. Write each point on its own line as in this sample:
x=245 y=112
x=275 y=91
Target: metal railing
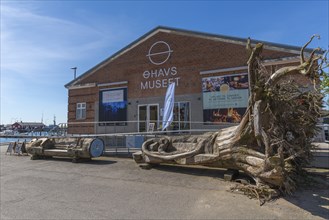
x=124 y=138
x=109 y=127
x=128 y=136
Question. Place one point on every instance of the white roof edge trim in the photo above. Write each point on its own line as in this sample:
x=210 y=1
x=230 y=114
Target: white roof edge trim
x=223 y=70
x=112 y=83
x=281 y=49
x=266 y=63
x=281 y=60
x=118 y=87
x=88 y=85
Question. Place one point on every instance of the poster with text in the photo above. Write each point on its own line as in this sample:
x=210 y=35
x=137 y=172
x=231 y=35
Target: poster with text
x=113 y=106
x=225 y=98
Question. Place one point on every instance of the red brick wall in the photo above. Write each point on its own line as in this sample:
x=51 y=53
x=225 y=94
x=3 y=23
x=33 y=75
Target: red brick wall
x=89 y=96
x=190 y=56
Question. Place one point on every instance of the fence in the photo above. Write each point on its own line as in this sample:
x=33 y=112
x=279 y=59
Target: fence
x=125 y=137
x=110 y=127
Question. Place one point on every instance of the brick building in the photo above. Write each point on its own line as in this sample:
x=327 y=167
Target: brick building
x=27 y=126
x=125 y=92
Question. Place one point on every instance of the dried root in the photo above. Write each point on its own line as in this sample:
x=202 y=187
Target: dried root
x=262 y=193
x=273 y=141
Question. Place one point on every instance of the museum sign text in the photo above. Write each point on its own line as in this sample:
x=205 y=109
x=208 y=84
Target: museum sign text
x=158 y=78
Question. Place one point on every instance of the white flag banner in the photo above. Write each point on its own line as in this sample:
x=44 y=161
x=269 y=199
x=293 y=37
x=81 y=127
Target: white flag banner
x=168 y=113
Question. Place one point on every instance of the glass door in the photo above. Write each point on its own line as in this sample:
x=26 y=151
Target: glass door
x=142 y=118
x=154 y=115
x=148 y=114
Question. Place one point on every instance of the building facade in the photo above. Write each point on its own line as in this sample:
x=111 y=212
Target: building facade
x=27 y=126
x=125 y=92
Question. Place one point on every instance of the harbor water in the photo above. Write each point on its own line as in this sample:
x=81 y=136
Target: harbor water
x=26 y=137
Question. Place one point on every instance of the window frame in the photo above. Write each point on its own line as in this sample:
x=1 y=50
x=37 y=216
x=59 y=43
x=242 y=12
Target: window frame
x=178 y=122
x=81 y=111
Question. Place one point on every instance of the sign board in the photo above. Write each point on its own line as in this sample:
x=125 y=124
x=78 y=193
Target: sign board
x=225 y=98
x=151 y=127
x=18 y=148
x=113 y=96
x=10 y=147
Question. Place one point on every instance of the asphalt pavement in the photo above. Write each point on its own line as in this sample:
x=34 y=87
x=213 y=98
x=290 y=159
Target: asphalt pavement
x=117 y=188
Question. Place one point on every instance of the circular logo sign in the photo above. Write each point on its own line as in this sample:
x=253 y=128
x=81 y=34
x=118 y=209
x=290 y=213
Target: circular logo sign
x=159 y=52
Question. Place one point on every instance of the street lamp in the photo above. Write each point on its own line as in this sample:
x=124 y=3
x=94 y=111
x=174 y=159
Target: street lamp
x=75 y=71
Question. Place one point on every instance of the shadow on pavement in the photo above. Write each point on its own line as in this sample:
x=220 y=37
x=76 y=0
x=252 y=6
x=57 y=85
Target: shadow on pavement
x=96 y=161
x=315 y=201
x=201 y=171
x=313 y=197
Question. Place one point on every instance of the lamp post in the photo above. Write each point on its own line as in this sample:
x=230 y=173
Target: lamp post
x=75 y=71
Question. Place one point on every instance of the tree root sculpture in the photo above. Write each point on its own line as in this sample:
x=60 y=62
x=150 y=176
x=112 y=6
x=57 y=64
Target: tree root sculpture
x=273 y=141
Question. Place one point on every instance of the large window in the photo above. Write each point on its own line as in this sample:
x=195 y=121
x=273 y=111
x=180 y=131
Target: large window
x=81 y=110
x=113 y=106
x=181 y=116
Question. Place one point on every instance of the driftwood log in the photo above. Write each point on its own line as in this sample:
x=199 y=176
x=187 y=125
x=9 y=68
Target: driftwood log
x=78 y=149
x=273 y=141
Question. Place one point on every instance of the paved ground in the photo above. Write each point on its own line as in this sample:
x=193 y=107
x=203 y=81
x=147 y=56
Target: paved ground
x=116 y=188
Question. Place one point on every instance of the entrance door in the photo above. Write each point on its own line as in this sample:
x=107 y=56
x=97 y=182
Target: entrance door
x=148 y=114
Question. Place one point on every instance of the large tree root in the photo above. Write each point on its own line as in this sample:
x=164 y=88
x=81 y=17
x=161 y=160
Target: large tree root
x=273 y=140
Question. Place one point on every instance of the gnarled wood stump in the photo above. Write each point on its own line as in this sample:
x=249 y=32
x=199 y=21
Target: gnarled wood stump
x=273 y=140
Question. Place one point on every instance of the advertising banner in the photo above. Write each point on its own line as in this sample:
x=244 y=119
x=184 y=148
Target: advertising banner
x=112 y=96
x=225 y=98
x=113 y=106
x=168 y=114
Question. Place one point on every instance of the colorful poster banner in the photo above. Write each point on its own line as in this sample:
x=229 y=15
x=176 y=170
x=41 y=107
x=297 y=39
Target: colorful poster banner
x=225 y=98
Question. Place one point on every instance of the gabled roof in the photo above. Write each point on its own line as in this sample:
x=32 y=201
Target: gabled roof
x=223 y=38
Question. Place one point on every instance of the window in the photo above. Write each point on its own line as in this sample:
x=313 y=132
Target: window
x=81 y=111
x=113 y=107
x=181 y=116
x=148 y=114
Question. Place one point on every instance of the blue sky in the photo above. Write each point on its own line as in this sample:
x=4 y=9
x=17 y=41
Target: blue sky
x=42 y=40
